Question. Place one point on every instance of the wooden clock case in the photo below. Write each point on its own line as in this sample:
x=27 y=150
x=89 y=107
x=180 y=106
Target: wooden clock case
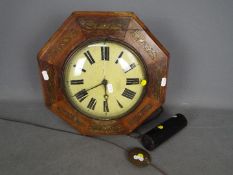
x=82 y=27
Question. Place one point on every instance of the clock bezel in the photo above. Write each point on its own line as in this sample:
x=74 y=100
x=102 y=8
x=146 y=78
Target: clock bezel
x=99 y=39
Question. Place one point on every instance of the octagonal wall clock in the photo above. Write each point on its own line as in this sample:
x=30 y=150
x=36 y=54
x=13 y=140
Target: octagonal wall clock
x=103 y=72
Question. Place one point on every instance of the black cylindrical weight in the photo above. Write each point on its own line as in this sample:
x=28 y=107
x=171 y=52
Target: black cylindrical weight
x=163 y=131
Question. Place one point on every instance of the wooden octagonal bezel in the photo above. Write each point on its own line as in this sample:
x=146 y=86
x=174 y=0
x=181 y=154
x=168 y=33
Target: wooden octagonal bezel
x=83 y=27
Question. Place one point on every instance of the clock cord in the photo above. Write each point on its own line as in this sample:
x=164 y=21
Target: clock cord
x=74 y=133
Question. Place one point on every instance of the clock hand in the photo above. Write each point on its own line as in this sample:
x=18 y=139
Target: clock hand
x=102 y=83
x=106 y=109
x=105 y=82
x=84 y=91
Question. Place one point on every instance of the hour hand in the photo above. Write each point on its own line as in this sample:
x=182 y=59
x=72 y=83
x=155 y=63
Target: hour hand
x=105 y=82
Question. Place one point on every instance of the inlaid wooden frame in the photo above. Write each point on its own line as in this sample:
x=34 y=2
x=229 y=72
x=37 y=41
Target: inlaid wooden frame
x=82 y=27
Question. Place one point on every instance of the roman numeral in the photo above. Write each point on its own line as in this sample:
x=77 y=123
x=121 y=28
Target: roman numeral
x=121 y=106
x=119 y=57
x=128 y=93
x=89 y=57
x=132 y=81
x=91 y=104
x=75 y=82
x=81 y=95
x=132 y=66
x=105 y=53
x=106 y=109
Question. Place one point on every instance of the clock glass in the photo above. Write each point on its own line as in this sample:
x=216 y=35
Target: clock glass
x=104 y=79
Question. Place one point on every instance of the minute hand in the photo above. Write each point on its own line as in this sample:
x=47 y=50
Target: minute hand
x=94 y=86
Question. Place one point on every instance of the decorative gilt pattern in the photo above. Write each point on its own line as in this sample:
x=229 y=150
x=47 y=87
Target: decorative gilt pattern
x=107 y=128
x=69 y=115
x=158 y=84
x=115 y=24
x=138 y=36
x=51 y=84
x=62 y=43
x=143 y=111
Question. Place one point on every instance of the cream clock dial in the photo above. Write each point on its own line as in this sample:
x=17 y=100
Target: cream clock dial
x=104 y=79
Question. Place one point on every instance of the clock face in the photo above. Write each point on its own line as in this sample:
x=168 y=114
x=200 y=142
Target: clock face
x=104 y=79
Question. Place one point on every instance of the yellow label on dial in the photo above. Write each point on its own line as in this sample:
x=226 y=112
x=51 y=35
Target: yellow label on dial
x=143 y=82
